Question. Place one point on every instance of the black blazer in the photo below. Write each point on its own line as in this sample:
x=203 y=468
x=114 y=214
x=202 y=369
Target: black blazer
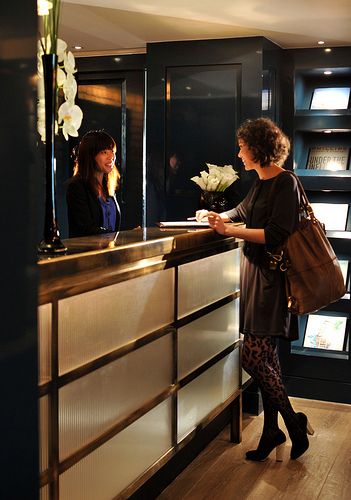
x=84 y=211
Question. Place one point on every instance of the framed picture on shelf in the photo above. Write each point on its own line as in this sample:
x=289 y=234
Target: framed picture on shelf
x=325 y=332
x=332 y=215
x=330 y=98
x=328 y=158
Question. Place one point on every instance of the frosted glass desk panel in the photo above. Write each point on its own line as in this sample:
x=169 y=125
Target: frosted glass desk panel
x=44 y=342
x=43 y=433
x=244 y=377
x=198 y=398
x=93 y=403
x=205 y=337
x=44 y=493
x=94 y=323
x=206 y=280
x=114 y=465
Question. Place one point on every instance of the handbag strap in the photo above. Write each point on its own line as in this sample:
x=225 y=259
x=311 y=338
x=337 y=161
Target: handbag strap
x=304 y=204
x=278 y=258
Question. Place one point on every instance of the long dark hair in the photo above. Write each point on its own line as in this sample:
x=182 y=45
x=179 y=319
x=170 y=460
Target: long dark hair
x=85 y=167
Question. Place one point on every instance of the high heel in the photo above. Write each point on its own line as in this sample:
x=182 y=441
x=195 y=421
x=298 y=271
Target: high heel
x=304 y=423
x=279 y=452
x=266 y=446
x=299 y=438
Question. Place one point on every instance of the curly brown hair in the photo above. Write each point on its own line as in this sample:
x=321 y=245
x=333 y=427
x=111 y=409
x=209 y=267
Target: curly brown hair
x=265 y=140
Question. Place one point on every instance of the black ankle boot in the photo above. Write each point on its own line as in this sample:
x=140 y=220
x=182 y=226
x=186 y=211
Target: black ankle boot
x=266 y=445
x=299 y=437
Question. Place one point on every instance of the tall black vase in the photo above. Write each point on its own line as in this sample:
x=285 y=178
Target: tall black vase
x=51 y=243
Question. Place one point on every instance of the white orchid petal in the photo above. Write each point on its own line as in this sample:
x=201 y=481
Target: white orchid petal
x=61 y=49
x=61 y=77
x=70 y=63
x=43 y=7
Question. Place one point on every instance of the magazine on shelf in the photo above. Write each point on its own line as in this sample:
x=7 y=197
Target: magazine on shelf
x=332 y=215
x=328 y=158
x=330 y=98
x=325 y=332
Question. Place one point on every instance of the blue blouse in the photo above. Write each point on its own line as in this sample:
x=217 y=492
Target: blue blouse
x=109 y=213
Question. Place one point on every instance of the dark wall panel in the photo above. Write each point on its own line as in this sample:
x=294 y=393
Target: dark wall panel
x=198 y=93
x=20 y=216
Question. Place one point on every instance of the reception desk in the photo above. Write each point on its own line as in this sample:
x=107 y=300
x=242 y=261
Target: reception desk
x=139 y=352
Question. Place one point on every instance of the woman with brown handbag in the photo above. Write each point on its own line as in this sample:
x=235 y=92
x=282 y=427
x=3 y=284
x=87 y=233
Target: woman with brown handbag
x=264 y=315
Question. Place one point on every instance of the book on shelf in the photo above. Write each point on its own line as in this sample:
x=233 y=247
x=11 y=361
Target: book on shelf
x=328 y=158
x=330 y=98
x=325 y=332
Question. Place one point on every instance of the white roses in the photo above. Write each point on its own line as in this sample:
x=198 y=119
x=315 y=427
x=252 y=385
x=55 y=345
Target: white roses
x=217 y=178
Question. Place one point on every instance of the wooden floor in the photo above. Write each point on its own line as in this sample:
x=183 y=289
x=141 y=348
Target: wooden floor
x=323 y=472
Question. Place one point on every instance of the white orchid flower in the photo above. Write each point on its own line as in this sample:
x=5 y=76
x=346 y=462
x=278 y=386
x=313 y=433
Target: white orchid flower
x=41 y=119
x=70 y=88
x=68 y=115
x=61 y=49
x=69 y=63
x=71 y=115
x=61 y=77
x=43 y=7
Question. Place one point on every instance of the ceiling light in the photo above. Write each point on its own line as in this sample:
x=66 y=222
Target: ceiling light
x=188 y=87
x=117 y=59
x=327 y=131
x=321 y=42
x=78 y=47
x=328 y=72
x=327 y=50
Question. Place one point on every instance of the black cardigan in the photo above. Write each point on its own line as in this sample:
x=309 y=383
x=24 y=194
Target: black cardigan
x=84 y=211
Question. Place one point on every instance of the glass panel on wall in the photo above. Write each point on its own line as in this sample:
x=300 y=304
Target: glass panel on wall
x=324 y=334
x=202 y=109
x=268 y=93
x=103 y=107
x=102 y=100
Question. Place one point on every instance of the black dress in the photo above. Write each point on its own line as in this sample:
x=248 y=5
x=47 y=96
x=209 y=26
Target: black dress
x=263 y=303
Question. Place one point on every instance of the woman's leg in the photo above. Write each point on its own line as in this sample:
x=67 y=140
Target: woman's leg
x=260 y=360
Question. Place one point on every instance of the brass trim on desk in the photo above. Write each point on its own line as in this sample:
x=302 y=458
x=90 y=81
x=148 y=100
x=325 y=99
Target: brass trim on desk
x=74 y=274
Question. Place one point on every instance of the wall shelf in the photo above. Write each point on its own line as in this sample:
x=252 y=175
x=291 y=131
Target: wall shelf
x=321 y=137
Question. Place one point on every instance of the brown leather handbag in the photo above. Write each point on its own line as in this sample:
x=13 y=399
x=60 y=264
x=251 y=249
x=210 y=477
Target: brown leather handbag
x=313 y=275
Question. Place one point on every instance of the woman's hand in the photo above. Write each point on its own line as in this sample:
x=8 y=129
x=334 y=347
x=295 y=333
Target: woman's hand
x=216 y=222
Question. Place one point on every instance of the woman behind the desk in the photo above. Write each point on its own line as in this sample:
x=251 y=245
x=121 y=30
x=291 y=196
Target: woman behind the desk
x=91 y=200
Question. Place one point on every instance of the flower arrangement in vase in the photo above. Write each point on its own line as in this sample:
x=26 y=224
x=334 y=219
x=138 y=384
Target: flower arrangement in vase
x=213 y=185
x=56 y=68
